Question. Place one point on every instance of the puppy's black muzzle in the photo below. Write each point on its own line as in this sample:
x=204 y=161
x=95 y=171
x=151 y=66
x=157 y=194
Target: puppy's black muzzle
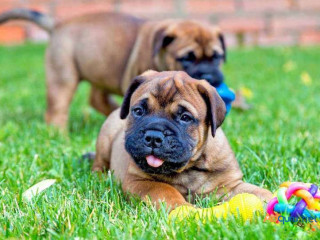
x=163 y=139
x=205 y=69
x=158 y=135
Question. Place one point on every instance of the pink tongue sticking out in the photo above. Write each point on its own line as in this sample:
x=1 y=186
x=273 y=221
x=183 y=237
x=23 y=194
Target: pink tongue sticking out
x=153 y=161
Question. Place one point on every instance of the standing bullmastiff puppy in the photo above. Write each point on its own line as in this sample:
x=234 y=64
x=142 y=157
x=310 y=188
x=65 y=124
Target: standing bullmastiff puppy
x=166 y=142
x=110 y=49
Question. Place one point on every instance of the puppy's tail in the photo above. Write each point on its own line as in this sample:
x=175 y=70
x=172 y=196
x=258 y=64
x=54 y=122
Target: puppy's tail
x=44 y=21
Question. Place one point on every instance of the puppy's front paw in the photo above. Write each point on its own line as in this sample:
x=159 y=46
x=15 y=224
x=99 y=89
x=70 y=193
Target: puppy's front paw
x=99 y=165
x=97 y=169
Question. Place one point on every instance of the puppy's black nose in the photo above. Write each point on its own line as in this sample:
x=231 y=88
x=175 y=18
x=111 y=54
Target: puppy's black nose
x=153 y=139
x=214 y=78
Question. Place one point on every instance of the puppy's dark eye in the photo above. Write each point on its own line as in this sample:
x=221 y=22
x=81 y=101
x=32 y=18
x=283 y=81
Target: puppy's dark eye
x=186 y=117
x=216 y=55
x=190 y=57
x=137 y=111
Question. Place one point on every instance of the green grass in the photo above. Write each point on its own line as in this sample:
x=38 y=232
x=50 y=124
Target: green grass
x=278 y=140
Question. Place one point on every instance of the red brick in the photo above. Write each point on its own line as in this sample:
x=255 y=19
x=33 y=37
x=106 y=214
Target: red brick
x=10 y=3
x=275 y=39
x=265 y=5
x=44 y=2
x=294 y=23
x=241 y=24
x=207 y=6
x=204 y=18
x=309 y=4
x=44 y=8
x=310 y=37
x=34 y=4
x=12 y=34
x=143 y=7
x=72 y=9
x=5 y=7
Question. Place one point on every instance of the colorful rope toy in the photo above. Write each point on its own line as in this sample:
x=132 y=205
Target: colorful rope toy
x=307 y=207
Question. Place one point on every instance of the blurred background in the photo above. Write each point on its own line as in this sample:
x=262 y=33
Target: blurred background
x=244 y=22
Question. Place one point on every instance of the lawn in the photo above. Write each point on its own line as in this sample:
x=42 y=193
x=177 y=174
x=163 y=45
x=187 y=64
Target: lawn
x=276 y=141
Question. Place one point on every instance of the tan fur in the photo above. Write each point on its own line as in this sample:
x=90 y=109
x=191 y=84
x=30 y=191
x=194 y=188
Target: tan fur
x=108 y=50
x=213 y=166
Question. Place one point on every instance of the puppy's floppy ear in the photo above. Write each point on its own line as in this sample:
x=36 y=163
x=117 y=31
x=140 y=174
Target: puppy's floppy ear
x=224 y=46
x=161 y=41
x=125 y=107
x=216 y=109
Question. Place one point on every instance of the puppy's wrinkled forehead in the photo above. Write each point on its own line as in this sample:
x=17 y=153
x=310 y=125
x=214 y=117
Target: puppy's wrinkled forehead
x=193 y=36
x=169 y=90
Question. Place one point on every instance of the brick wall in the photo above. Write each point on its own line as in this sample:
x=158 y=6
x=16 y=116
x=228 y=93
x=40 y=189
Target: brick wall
x=245 y=22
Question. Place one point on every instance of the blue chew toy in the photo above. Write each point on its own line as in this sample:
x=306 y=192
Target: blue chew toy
x=226 y=94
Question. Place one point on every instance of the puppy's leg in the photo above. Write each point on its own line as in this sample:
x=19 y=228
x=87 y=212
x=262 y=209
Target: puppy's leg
x=103 y=147
x=109 y=130
x=156 y=191
x=243 y=187
x=102 y=158
x=62 y=82
x=102 y=101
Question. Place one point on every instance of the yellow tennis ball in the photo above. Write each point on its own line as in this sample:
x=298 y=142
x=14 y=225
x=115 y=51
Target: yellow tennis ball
x=182 y=212
x=246 y=205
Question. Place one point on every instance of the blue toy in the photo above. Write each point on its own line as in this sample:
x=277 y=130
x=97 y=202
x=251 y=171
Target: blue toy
x=226 y=94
